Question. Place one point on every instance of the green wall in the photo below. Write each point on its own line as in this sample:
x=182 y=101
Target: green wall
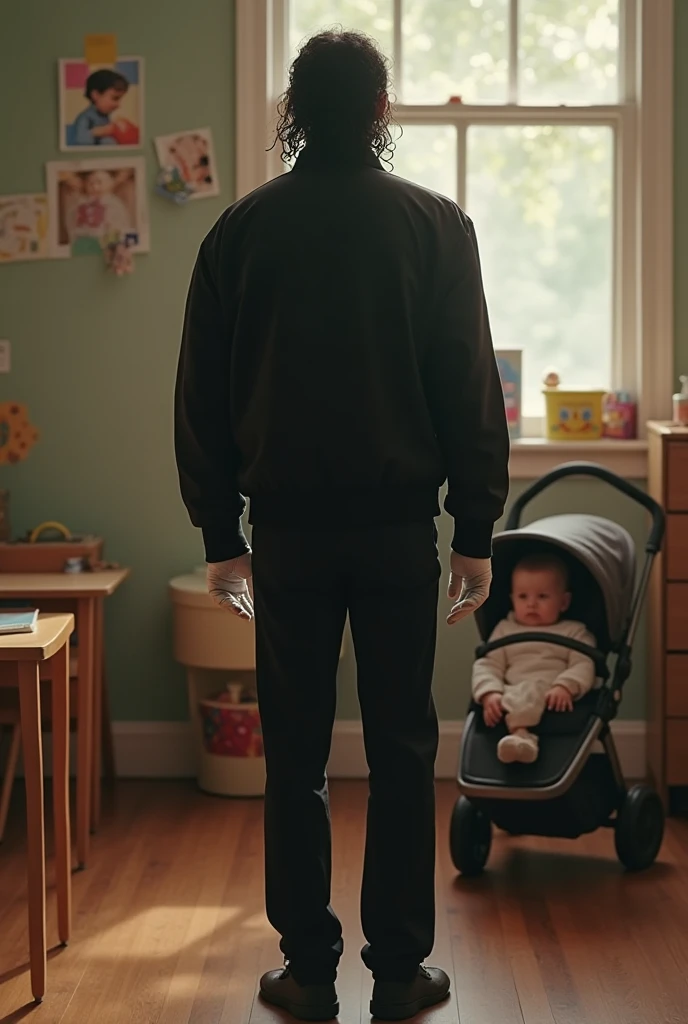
x=94 y=357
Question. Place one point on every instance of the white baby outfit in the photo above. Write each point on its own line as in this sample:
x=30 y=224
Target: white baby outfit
x=525 y=672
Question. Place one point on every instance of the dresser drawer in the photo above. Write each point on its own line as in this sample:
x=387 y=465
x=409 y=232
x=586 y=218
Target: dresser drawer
x=677 y=685
x=677 y=547
x=677 y=751
x=677 y=476
x=677 y=616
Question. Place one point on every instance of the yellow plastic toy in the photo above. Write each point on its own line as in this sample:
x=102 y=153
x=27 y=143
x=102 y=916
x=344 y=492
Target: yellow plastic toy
x=574 y=415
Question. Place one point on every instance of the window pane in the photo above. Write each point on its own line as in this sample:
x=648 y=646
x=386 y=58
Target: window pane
x=427 y=155
x=455 y=48
x=374 y=17
x=541 y=199
x=568 y=51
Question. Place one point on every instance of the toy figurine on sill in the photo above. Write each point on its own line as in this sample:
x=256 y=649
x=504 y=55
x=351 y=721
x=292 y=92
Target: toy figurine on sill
x=619 y=416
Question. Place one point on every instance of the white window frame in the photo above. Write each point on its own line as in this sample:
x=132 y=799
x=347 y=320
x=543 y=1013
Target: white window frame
x=643 y=126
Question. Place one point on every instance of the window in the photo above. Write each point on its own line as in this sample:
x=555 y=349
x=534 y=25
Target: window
x=530 y=115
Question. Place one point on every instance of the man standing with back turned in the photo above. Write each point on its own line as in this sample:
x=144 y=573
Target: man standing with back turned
x=336 y=368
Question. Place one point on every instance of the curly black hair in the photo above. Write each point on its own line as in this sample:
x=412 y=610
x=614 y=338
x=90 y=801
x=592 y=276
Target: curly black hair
x=334 y=96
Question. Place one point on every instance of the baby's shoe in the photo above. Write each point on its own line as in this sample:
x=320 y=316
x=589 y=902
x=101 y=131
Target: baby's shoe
x=523 y=749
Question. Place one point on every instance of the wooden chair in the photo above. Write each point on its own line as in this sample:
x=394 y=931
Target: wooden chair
x=20 y=658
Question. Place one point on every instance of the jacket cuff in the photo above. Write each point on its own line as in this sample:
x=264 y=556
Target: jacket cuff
x=473 y=538
x=224 y=541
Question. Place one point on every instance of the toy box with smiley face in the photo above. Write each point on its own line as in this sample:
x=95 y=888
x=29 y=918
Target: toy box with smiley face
x=574 y=415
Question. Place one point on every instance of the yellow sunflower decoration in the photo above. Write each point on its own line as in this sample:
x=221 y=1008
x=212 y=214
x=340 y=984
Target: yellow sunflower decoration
x=17 y=433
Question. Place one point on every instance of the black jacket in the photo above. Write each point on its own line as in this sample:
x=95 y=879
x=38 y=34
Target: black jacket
x=336 y=364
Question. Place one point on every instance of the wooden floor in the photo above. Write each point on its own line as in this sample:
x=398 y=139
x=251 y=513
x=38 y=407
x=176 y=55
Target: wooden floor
x=169 y=924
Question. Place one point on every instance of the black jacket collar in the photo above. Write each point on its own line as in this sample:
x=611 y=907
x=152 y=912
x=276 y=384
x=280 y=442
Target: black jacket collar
x=315 y=159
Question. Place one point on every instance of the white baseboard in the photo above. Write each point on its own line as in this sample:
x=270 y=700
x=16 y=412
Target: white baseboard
x=164 y=750
x=347 y=758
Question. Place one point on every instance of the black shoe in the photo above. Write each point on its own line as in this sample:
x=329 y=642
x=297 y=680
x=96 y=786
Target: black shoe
x=305 y=1002
x=399 y=1000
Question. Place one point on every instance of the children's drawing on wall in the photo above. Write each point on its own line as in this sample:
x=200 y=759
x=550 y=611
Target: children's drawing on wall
x=17 y=434
x=192 y=155
x=23 y=228
x=101 y=106
x=92 y=201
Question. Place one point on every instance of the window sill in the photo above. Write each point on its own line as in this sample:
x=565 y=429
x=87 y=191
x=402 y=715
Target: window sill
x=532 y=457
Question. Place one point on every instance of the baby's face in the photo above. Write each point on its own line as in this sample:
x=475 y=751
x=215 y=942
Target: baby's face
x=538 y=597
x=98 y=183
x=107 y=101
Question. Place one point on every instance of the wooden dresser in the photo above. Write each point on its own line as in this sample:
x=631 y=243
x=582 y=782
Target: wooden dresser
x=667 y=740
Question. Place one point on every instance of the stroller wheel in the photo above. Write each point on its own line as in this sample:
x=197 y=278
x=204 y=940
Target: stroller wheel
x=639 y=828
x=470 y=838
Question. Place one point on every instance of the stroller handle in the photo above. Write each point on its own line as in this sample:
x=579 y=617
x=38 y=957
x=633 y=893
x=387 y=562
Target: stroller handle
x=654 y=541
x=598 y=657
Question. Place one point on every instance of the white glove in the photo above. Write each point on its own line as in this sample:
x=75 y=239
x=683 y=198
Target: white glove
x=230 y=584
x=469 y=581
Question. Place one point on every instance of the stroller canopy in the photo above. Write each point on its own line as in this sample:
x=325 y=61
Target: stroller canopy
x=600 y=556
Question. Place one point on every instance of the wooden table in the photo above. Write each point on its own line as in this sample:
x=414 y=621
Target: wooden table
x=83 y=594
x=20 y=658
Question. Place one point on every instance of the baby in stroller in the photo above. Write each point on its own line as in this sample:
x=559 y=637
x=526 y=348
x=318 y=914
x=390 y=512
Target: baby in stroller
x=519 y=682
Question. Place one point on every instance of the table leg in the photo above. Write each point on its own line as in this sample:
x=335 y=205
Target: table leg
x=10 y=772
x=98 y=683
x=30 y=706
x=63 y=866
x=85 y=628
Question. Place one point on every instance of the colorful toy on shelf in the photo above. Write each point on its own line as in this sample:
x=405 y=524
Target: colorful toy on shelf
x=574 y=414
x=619 y=416
x=681 y=404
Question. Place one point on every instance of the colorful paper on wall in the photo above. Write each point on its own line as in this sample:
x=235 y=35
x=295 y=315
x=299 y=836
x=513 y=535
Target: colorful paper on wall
x=192 y=155
x=100 y=48
x=23 y=228
x=17 y=434
x=509 y=364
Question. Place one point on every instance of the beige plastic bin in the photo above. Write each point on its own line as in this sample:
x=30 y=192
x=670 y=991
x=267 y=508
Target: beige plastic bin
x=205 y=635
x=216 y=648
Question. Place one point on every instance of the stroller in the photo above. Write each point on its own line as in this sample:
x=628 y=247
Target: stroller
x=571 y=789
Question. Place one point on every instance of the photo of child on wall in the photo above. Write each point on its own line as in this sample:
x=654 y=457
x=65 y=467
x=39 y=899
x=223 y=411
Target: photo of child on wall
x=101 y=106
x=94 y=201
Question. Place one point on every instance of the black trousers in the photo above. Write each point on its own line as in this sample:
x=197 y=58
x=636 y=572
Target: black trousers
x=305 y=583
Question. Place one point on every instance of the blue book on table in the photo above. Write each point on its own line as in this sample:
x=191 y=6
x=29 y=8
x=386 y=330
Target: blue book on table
x=22 y=620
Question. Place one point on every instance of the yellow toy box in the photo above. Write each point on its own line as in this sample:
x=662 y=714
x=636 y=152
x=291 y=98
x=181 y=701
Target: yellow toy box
x=574 y=415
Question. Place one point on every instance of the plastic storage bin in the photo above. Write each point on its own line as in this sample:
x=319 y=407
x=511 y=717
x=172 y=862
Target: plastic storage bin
x=232 y=761
x=574 y=415
x=217 y=649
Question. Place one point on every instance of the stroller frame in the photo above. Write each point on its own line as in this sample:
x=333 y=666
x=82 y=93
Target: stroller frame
x=636 y=815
